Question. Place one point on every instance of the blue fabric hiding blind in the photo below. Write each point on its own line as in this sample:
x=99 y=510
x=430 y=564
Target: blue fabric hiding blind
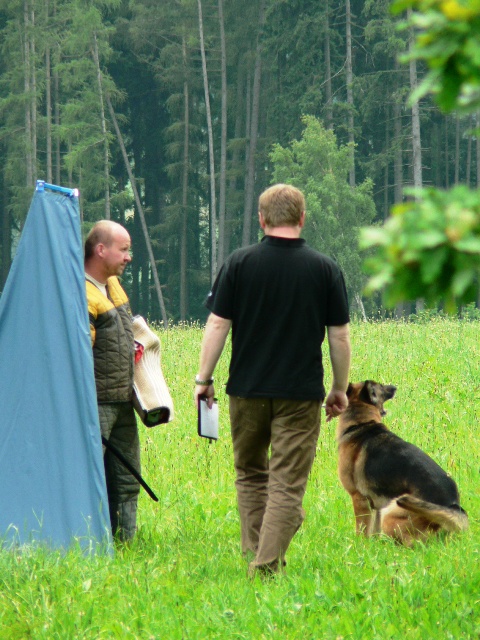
x=52 y=487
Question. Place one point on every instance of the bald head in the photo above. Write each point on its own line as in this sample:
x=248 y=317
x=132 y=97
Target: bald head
x=107 y=250
x=102 y=232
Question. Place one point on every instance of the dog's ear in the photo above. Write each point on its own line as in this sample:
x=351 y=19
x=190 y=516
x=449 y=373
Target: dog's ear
x=369 y=393
x=376 y=394
x=389 y=390
x=349 y=390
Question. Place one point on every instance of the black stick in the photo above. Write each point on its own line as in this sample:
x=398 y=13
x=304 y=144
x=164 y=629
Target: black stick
x=108 y=445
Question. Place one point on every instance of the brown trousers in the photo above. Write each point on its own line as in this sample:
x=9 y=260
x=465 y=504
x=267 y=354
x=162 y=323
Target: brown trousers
x=118 y=424
x=270 y=489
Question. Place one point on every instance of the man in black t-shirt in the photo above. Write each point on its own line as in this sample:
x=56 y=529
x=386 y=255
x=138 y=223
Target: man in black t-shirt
x=279 y=297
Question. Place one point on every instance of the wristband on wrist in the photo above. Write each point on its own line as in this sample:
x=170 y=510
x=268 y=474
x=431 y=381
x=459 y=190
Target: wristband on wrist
x=204 y=383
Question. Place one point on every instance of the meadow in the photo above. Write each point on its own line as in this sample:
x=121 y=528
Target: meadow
x=184 y=578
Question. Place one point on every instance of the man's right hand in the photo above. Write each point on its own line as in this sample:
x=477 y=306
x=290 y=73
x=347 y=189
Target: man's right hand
x=335 y=404
x=207 y=391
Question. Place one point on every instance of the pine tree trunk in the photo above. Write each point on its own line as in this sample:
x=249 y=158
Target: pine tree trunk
x=447 y=152
x=223 y=143
x=235 y=161
x=398 y=167
x=211 y=155
x=153 y=264
x=106 y=152
x=386 y=178
x=349 y=71
x=48 y=103
x=328 y=71
x=469 y=153
x=478 y=150
x=27 y=89
x=398 y=177
x=6 y=239
x=183 y=239
x=56 y=110
x=359 y=301
x=70 y=174
x=416 y=140
x=477 y=136
x=457 y=149
x=253 y=134
x=33 y=104
x=56 y=116
x=398 y=155
x=48 y=108
x=436 y=160
x=248 y=127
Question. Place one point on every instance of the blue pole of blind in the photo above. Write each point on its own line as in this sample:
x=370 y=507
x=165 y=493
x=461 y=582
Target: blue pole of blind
x=42 y=185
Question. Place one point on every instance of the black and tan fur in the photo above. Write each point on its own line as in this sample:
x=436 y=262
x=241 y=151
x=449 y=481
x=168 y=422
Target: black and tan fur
x=395 y=487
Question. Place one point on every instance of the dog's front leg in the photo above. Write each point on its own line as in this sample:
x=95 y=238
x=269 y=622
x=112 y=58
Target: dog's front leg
x=363 y=513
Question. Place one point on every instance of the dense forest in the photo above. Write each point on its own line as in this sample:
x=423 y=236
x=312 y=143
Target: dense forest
x=171 y=117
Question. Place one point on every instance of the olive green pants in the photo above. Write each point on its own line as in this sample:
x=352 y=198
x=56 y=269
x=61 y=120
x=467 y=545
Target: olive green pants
x=118 y=425
x=270 y=488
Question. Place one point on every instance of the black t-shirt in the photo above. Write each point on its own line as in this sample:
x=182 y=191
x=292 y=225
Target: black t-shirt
x=280 y=295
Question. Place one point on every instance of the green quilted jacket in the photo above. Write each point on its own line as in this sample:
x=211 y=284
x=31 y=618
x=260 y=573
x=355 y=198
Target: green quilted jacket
x=112 y=341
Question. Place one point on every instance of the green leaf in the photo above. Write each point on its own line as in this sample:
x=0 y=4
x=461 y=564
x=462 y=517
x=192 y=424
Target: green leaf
x=426 y=240
x=377 y=282
x=399 y=6
x=461 y=281
x=450 y=88
x=472 y=51
x=432 y=264
x=429 y=84
x=469 y=245
x=371 y=237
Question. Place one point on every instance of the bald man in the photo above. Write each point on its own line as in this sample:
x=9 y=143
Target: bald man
x=107 y=253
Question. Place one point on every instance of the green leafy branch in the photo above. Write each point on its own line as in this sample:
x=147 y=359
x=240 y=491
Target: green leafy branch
x=448 y=41
x=429 y=248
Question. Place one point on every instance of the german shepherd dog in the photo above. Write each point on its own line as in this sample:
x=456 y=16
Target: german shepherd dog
x=395 y=487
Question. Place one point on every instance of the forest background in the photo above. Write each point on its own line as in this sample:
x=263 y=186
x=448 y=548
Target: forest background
x=172 y=117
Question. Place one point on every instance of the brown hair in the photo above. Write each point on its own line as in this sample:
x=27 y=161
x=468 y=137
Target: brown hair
x=281 y=206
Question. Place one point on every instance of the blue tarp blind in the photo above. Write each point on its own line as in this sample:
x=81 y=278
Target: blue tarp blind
x=52 y=487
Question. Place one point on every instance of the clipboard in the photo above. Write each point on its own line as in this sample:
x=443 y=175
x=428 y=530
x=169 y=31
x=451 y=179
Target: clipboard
x=207 y=419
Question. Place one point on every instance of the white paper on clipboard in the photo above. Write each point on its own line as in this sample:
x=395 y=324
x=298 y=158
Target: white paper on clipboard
x=207 y=420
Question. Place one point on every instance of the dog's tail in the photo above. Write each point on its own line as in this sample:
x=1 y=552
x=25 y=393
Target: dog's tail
x=452 y=518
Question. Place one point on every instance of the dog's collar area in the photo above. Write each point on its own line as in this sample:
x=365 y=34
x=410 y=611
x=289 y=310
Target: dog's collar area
x=361 y=425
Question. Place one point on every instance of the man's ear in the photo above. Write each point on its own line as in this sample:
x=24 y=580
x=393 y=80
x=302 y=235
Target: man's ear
x=261 y=220
x=301 y=223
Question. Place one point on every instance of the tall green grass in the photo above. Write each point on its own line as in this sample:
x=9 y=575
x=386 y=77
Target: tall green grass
x=184 y=577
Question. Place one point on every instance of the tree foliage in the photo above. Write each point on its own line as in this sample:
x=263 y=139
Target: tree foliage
x=430 y=247
x=318 y=166
x=449 y=43
x=277 y=76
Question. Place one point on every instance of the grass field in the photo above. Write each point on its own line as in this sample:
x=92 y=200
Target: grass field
x=184 y=577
